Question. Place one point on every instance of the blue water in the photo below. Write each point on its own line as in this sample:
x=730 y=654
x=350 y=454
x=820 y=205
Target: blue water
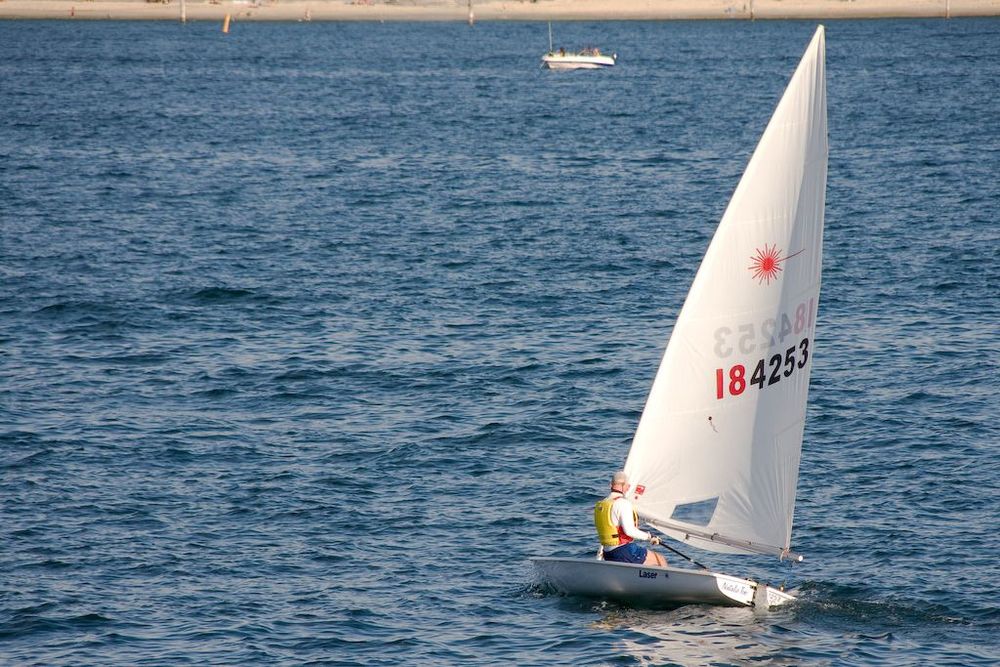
x=311 y=334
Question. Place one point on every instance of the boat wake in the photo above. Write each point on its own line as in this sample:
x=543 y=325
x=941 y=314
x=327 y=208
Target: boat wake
x=855 y=606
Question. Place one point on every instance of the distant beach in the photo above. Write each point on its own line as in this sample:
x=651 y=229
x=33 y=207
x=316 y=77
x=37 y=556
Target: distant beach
x=490 y=10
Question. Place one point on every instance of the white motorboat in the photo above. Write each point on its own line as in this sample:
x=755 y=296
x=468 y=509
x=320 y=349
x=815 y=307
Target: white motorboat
x=589 y=58
x=586 y=59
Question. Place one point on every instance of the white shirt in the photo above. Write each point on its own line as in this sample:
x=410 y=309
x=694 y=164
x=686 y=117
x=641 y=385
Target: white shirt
x=621 y=515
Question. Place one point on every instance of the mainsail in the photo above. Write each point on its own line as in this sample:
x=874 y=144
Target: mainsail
x=715 y=458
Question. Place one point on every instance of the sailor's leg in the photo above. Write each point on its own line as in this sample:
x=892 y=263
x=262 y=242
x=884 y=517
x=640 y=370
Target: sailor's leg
x=653 y=558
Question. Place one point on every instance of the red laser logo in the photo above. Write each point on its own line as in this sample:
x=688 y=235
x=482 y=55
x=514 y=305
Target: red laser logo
x=766 y=264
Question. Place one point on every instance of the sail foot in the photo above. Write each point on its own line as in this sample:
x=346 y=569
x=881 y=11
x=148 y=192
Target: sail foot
x=693 y=537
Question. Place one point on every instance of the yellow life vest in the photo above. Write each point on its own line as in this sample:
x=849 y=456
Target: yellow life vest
x=608 y=533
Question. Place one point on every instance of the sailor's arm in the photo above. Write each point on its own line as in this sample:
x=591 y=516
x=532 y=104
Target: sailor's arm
x=628 y=524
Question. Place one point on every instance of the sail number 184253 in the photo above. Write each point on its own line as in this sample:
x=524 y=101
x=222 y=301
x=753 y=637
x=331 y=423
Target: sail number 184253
x=734 y=381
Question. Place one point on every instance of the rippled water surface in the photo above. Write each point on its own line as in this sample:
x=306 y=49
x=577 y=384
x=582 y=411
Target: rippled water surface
x=311 y=334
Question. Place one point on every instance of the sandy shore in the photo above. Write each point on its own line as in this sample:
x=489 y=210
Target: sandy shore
x=489 y=10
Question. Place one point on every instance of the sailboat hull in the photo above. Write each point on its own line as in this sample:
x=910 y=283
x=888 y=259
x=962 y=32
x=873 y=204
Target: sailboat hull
x=654 y=586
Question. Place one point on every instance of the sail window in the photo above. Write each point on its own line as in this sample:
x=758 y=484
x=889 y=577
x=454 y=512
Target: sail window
x=697 y=513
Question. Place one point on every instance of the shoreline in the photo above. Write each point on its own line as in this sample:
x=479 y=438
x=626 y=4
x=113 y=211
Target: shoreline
x=491 y=10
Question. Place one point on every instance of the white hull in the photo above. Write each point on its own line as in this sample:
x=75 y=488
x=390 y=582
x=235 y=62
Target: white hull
x=660 y=586
x=574 y=61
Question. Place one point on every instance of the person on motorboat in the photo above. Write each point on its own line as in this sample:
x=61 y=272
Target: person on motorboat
x=615 y=520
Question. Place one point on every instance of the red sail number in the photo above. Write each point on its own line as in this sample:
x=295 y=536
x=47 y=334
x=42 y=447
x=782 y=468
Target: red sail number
x=737 y=381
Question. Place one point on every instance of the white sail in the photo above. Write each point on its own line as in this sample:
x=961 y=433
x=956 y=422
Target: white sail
x=715 y=458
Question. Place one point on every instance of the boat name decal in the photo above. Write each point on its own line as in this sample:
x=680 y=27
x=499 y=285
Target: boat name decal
x=732 y=587
x=646 y=574
x=794 y=359
x=753 y=337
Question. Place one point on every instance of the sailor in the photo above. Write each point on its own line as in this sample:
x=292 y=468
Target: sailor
x=616 y=520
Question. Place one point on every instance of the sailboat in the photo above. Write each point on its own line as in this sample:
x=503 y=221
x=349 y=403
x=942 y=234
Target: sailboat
x=589 y=58
x=715 y=458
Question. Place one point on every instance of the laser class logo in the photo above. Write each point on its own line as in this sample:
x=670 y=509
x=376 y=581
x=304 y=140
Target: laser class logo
x=766 y=264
